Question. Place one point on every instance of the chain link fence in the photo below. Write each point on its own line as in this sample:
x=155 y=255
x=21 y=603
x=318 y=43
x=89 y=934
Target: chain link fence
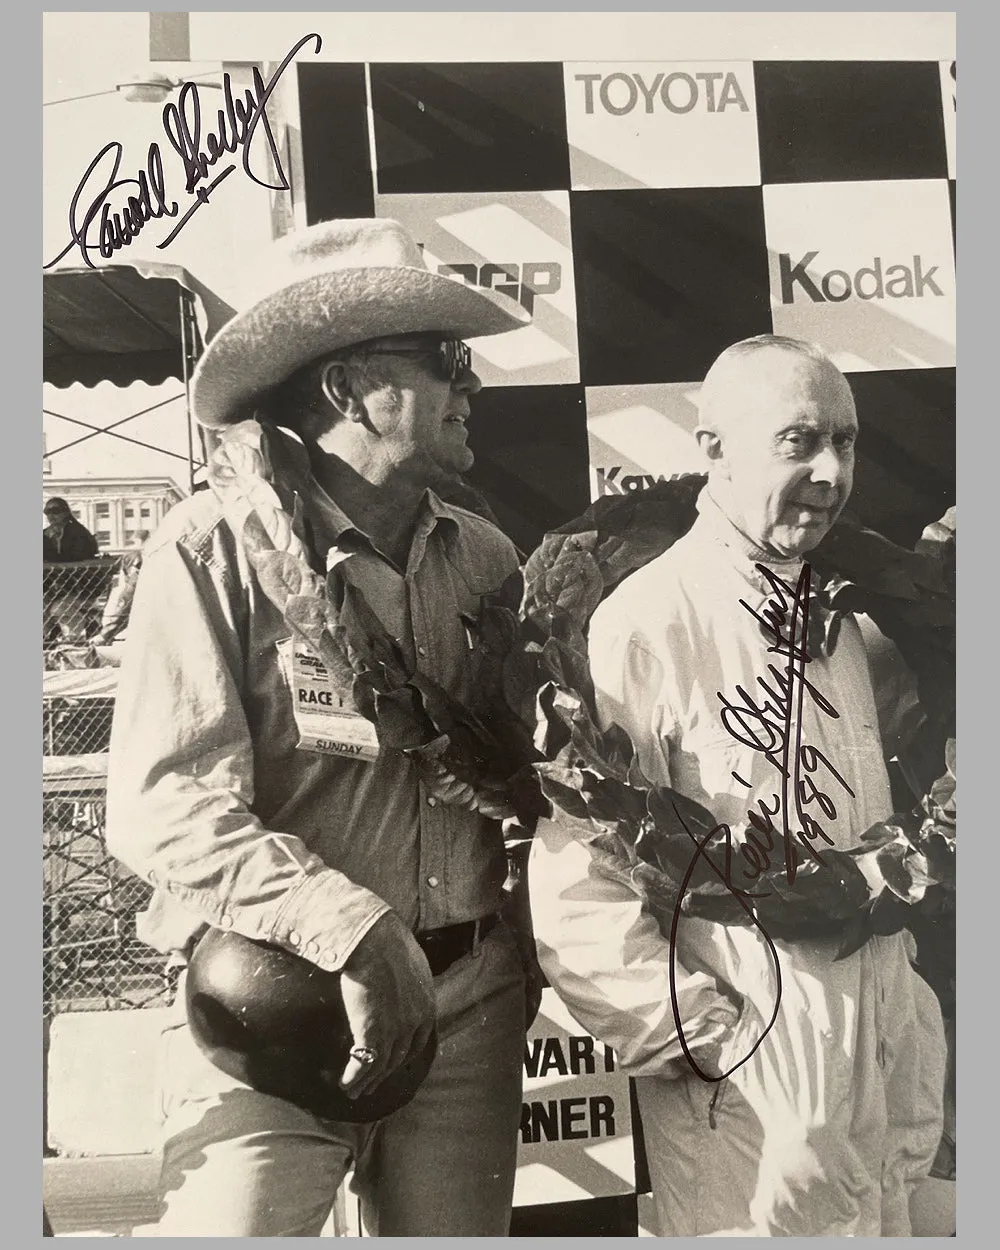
x=92 y=957
x=73 y=598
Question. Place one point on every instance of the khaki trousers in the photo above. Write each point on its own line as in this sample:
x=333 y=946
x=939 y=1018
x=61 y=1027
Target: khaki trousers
x=237 y=1163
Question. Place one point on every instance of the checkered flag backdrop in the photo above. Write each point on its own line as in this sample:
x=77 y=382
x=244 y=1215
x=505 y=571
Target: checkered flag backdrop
x=649 y=214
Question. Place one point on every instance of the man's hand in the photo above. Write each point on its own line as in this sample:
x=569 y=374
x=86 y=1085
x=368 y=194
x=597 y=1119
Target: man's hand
x=389 y=997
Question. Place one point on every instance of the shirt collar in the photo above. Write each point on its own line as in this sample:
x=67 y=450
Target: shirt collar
x=330 y=523
x=714 y=524
x=436 y=507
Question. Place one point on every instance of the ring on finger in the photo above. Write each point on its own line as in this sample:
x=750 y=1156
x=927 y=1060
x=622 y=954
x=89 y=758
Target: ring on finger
x=364 y=1054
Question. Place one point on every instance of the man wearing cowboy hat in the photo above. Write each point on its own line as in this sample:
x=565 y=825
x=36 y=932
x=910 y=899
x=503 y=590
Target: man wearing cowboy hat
x=244 y=818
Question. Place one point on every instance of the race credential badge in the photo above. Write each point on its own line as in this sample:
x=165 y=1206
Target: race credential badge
x=326 y=722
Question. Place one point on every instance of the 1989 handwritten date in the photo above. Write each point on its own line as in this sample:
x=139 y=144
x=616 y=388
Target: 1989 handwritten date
x=107 y=211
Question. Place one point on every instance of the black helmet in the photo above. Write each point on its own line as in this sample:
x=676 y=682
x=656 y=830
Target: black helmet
x=277 y=1022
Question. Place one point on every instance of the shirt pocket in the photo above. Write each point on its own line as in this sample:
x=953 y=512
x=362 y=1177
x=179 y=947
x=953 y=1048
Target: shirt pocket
x=471 y=578
x=470 y=587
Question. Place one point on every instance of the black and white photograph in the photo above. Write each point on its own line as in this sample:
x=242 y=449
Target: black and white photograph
x=498 y=624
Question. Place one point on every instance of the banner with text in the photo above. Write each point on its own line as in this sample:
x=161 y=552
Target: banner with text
x=641 y=434
x=576 y=1120
x=658 y=124
x=864 y=269
x=519 y=244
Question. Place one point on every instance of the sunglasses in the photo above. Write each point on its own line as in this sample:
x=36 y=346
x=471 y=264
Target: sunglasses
x=451 y=357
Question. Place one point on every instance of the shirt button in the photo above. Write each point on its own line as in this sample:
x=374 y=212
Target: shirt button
x=312 y=948
x=421 y=650
x=432 y=881
x=431 y=801
x=226 y=921
x=293 y=938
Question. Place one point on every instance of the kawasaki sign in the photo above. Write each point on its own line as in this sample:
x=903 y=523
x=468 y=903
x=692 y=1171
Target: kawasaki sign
x=610 y=483
x=874 y=281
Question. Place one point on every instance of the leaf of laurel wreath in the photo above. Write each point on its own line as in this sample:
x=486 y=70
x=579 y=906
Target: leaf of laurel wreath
x=900 y=866
x=530 y=746
x=463 y=758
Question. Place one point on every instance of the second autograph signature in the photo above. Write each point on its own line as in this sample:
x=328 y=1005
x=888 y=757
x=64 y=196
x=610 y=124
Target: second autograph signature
x=768 y=719
x=107 y=212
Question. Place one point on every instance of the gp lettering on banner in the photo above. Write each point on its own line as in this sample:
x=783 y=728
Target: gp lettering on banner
x=869 y=282
x=619 y=93
x=520 y=282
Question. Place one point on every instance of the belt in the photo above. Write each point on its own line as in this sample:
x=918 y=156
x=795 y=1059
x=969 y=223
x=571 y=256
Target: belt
x=443 y=946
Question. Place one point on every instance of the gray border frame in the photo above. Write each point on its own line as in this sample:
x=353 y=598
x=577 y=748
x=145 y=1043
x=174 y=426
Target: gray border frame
x=21 y=733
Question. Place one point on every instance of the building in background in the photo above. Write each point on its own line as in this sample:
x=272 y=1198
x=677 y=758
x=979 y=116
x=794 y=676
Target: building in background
x=115 y=509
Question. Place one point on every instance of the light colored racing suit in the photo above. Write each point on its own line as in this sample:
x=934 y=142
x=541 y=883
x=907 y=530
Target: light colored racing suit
x=838 y=1112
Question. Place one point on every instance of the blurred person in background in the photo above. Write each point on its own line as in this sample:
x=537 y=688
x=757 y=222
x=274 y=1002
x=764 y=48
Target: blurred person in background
x=64 y=538
x=64 y=541
x=116 y=611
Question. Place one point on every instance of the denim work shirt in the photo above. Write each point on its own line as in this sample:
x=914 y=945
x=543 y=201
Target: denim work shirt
x=209 y=797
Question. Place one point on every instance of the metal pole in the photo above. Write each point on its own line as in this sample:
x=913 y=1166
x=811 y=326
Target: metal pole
x=187 y=384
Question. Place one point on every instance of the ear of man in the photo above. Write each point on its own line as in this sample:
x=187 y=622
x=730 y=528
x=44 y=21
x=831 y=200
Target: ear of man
x=710 y=442
x=341 y=390
x=712 y=445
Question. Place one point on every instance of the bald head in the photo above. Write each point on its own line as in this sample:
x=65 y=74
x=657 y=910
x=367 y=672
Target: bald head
x=777 y=425
x=746 y=378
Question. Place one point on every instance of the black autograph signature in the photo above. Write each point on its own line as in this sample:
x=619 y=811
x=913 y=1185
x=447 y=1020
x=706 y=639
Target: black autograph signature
x=774 y=727
x=769 y=720
x=107 y=212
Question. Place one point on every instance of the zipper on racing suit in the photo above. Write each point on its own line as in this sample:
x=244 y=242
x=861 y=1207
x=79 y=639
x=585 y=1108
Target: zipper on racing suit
x=716 y=1103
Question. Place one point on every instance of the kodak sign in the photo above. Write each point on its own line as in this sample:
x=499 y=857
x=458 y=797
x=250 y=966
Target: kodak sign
x=865 y=270
x=799 y=278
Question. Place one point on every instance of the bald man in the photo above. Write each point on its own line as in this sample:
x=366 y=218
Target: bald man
x=801 y=1095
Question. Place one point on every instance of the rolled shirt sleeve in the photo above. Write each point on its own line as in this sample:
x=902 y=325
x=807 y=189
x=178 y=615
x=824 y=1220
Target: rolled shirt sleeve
x=601 y=949
x=181 y=768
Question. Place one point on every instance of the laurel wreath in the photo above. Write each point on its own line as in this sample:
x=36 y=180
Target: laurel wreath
x=527 y=744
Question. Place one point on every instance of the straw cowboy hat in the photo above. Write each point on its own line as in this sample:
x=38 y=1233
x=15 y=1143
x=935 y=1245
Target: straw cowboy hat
x=333 y=285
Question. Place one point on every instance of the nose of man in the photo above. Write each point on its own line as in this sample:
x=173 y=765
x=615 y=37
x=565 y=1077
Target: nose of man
x=468 y=381
x=827 y=467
